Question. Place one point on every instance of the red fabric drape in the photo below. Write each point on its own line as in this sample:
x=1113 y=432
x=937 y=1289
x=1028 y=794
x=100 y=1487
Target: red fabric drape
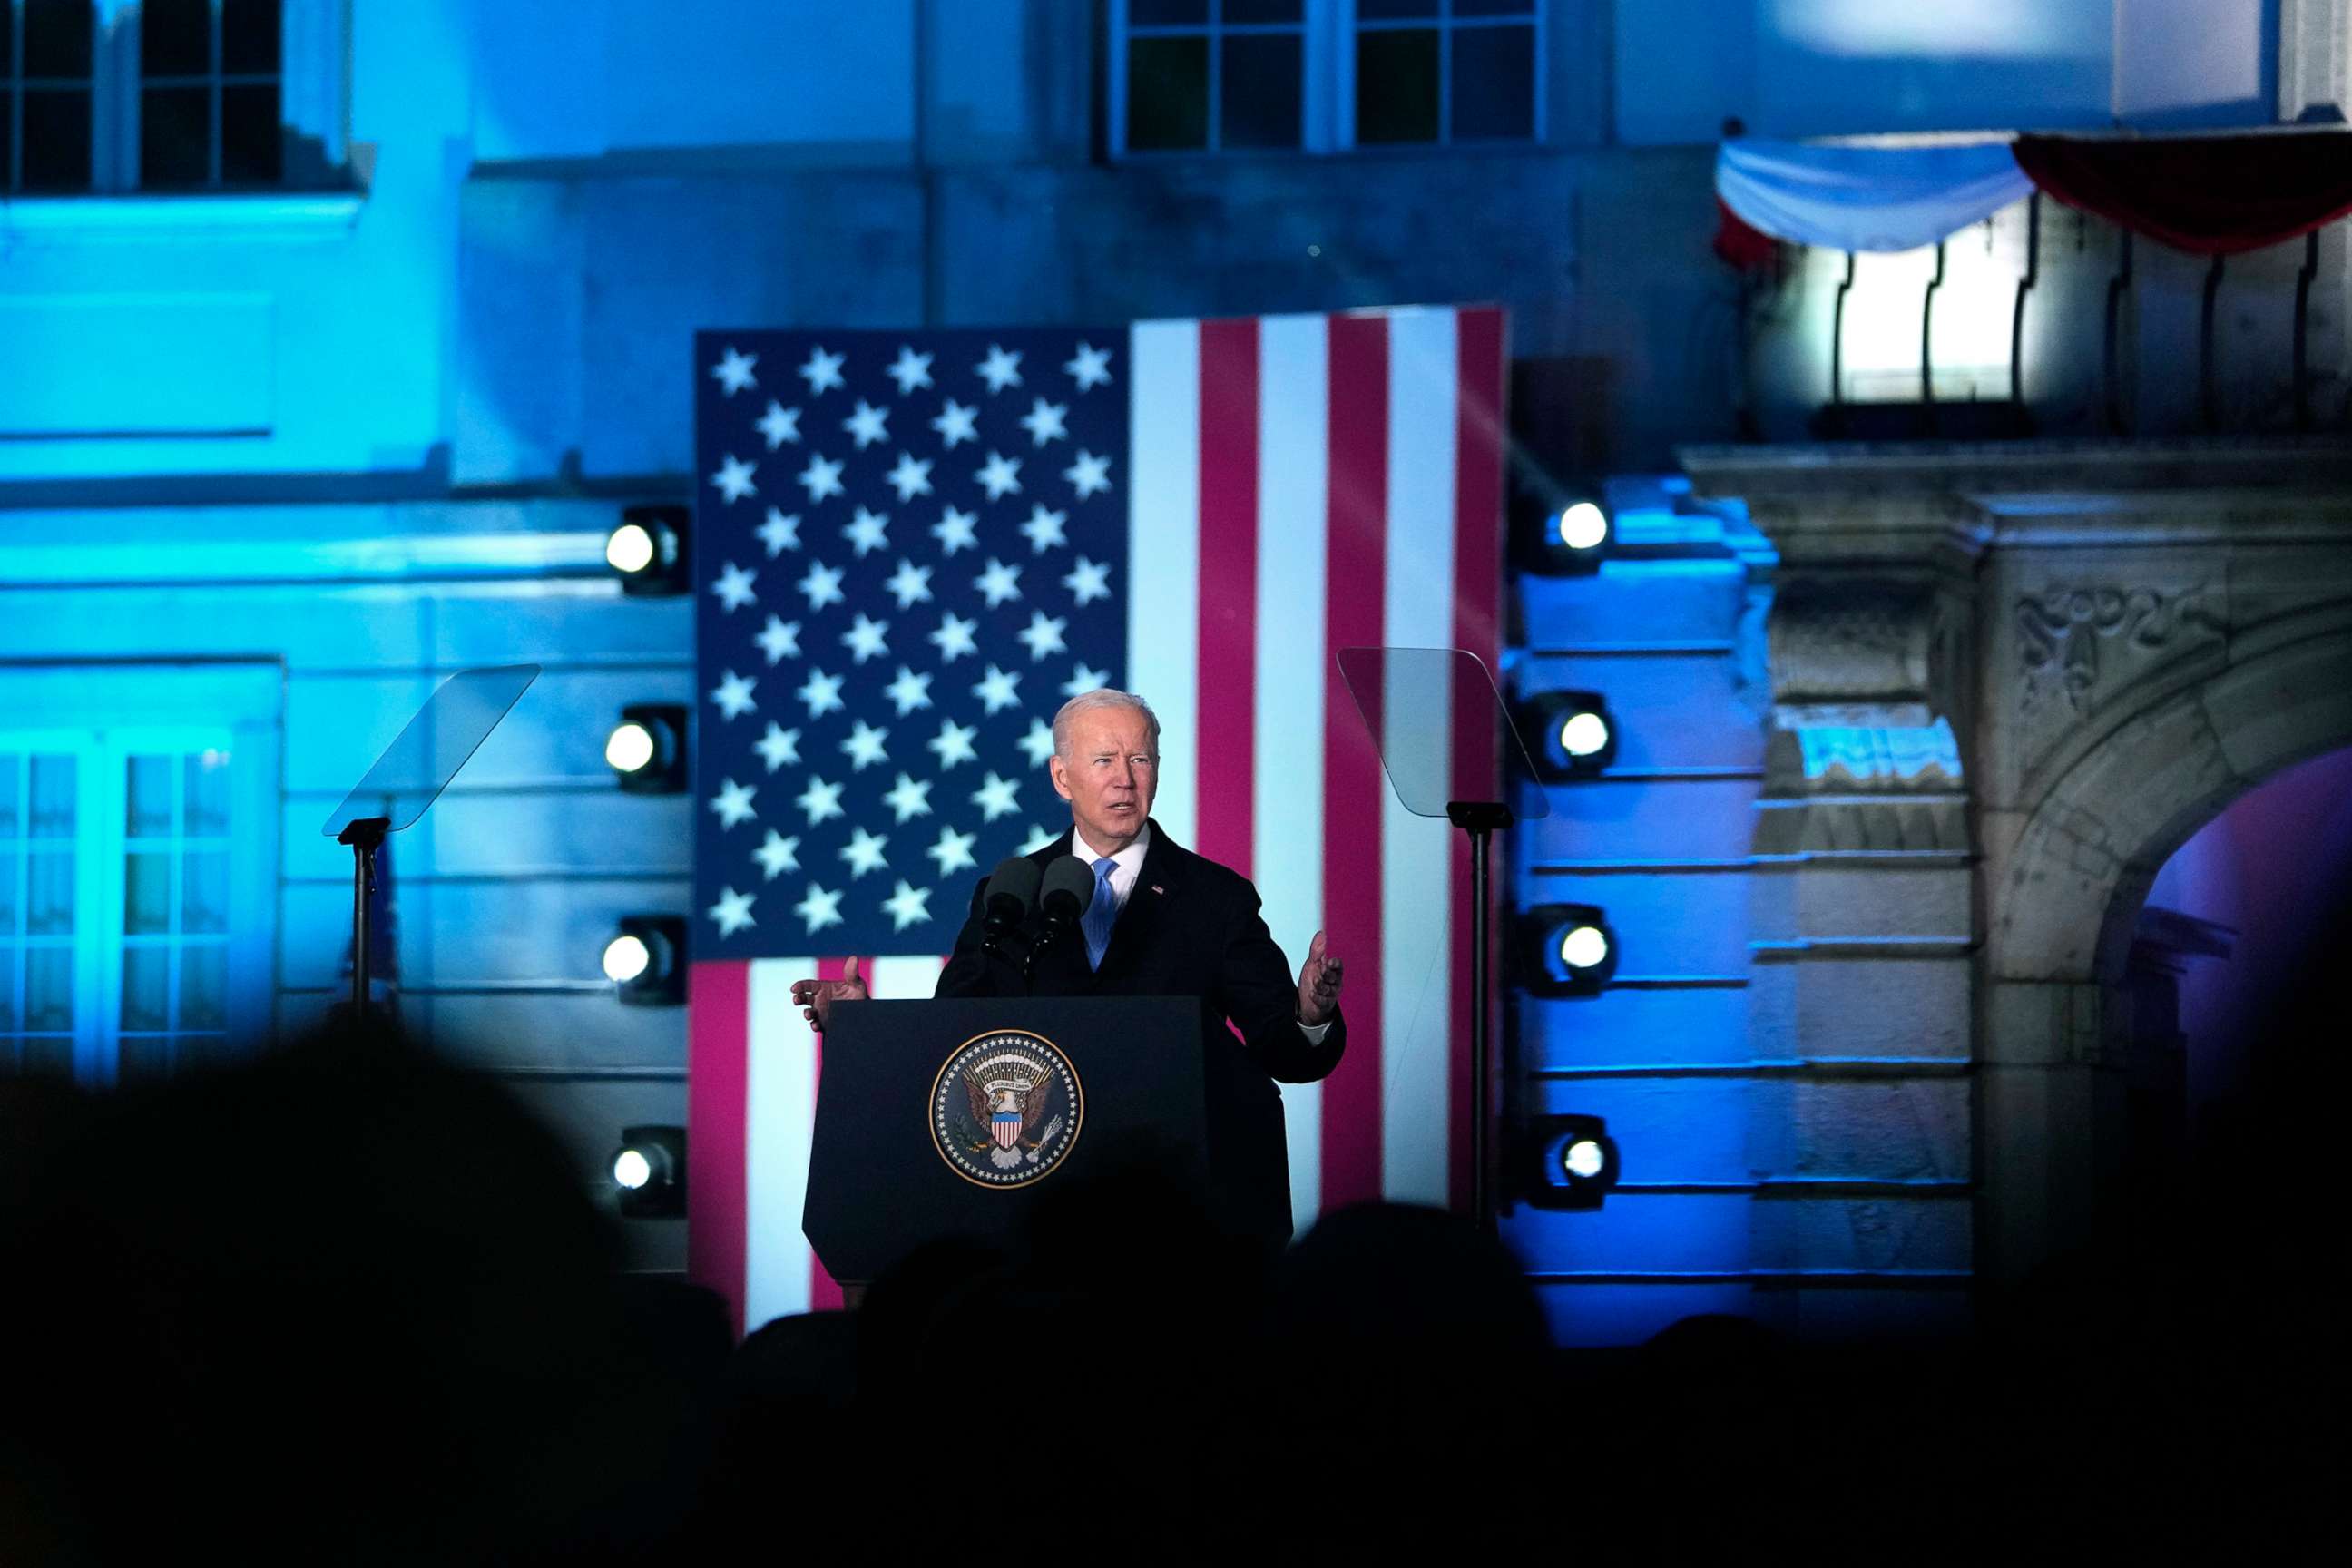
x=1739 y=243
x=2212 y=196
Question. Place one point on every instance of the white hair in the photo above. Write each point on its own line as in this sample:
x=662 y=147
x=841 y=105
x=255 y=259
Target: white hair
x=1101 y=697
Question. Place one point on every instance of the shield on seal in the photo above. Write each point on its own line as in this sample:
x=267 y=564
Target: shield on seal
x=1004 y=1127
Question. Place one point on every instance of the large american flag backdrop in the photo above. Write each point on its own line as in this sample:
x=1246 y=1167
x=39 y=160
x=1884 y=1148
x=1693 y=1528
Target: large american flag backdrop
x=910 y=548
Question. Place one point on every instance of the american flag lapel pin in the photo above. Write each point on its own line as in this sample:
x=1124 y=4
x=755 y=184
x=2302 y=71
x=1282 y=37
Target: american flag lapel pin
x=1158 y=888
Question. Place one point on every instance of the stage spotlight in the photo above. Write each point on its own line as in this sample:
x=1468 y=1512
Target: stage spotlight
x=649 y=1171
x=646 y=961
x=1567 y=950
x=1567 y=1162
x=648 y=550
x=1580 y=525
x=1559 y=533
x=1574 y=734
x=646 y=750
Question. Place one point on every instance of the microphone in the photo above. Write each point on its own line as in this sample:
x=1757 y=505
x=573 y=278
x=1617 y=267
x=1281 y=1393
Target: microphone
x=1012 y=894
x=1069 y=888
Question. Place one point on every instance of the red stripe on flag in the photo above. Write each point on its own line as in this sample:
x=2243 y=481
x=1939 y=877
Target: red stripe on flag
x=1479 y=435
x=718 y=1090
x=1225 y=747
x=824 y=1293
x=1356 y=542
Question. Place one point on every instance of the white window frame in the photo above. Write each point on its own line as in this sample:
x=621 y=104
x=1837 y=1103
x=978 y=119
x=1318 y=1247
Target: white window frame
x=1327 y=62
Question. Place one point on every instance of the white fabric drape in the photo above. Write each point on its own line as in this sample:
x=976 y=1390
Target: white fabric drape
x=1865 y=198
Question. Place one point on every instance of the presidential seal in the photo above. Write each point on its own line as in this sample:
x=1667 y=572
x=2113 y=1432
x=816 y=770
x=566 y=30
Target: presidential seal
x=1005 y=1109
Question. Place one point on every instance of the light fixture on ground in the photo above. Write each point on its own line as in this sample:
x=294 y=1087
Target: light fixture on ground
x=1580 y=525
x=648 y=550
x=1567 y=950
x=1557 y=530
x=1575 y=734
x=646 y=961
x=649 y=1171
x=1566 y=1163
x=646 y=750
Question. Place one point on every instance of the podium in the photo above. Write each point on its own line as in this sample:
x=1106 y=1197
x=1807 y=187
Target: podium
x=954 y=1118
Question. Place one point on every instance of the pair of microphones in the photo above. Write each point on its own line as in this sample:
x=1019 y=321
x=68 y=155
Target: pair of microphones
x=1058 y=894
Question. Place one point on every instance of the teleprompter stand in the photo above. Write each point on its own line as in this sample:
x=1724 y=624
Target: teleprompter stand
x=1443 y=733
x=408 y=778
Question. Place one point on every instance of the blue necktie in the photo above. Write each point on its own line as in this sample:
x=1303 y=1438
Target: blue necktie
x=1095 y=924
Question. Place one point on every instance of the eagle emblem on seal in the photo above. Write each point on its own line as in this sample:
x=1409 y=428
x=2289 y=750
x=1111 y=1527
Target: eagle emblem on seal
x=1009 y=1094
x=1005 y=1108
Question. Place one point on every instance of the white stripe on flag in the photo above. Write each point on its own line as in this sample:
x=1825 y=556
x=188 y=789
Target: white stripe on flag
x=1415 y=851
x=1164 y=553
x=779 y=1112
x=909 y=979
x=1286 y=795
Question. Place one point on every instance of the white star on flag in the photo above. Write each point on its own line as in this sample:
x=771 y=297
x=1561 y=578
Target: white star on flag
x=1084 y=680
x=733 y=803
x=953 y=851
x=998 y=690
x=864 y=639
x=820 y=800
x=822 y=692
x=821 y=478
x=1043 y=634
x=1089 y=474
x=732 y=911
x=778 y=424
x=819 y=909
x=867 y=425
x=907 y=905
x=777 y=855
x=734 y=479
x=909 y=691
x=1038 y=742
x=822 y=371
x=910 y=370
x=781 y=532
x=1039 y=838
x=910 y=477
x=999 y=583
x=867 y=532
x=1087 y=582
x=910 y=584
x=1091 y=368
x=822 y=583
x=863 y=852
x=778 y=746
x=1000 y=475
x=909 y=798
x=994 y=797
x=733 y=695
x=956 y=531
x=780 y=639
x=733 y=371
x=957 y=422
x=1000 y=369
x=1043 y=530
x=864 y=746
x=1043 y=422
x=733 y=587
x=954 y=638
x=953 y=744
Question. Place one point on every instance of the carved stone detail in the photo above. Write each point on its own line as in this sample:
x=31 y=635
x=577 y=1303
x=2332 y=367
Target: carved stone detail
x=2060 y=633
x=1850 y=642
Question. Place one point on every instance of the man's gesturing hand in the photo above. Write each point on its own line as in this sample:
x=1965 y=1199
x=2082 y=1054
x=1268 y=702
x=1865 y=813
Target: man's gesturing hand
x=815 y=998
x=1319 y=985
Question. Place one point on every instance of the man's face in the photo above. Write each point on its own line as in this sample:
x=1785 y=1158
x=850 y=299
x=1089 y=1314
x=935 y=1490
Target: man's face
x=1109 y=776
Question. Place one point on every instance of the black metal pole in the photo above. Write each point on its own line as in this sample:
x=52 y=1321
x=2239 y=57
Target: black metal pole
x=365 y=835
x=1481 y=1188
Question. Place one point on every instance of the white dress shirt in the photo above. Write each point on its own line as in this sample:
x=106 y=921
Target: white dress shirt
x=1127 y=865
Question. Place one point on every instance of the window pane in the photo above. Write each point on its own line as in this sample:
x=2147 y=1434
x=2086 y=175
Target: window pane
x=197 y=1051
x=252 y=144
x=207 y=802
x=49 y=894
x=52 y=811
x=1247 y=11
x=1167 y=94
x=56 y=154
x=1389 y=10
x=249 y=36
x=146 y=988
x=1494 y=84
x=8 y=868
x=143 y=1058
x=7 y=996
x=7 y=42
x=56 y=40
x=174 y=136
x=7 y=131
x=12 y=772
x=48 y=988
x=149 y=790
x=147 y=893
x=1396 y=86
x=1494 y=8
x=51 y=1057
x=204 y=987
x=204 y=896
x=1167 y=13
x=175 y=37
x=1258 y=106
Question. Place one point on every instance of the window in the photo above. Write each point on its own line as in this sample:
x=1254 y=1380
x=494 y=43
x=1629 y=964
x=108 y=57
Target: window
x=1226 y=76
x=165 y=95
